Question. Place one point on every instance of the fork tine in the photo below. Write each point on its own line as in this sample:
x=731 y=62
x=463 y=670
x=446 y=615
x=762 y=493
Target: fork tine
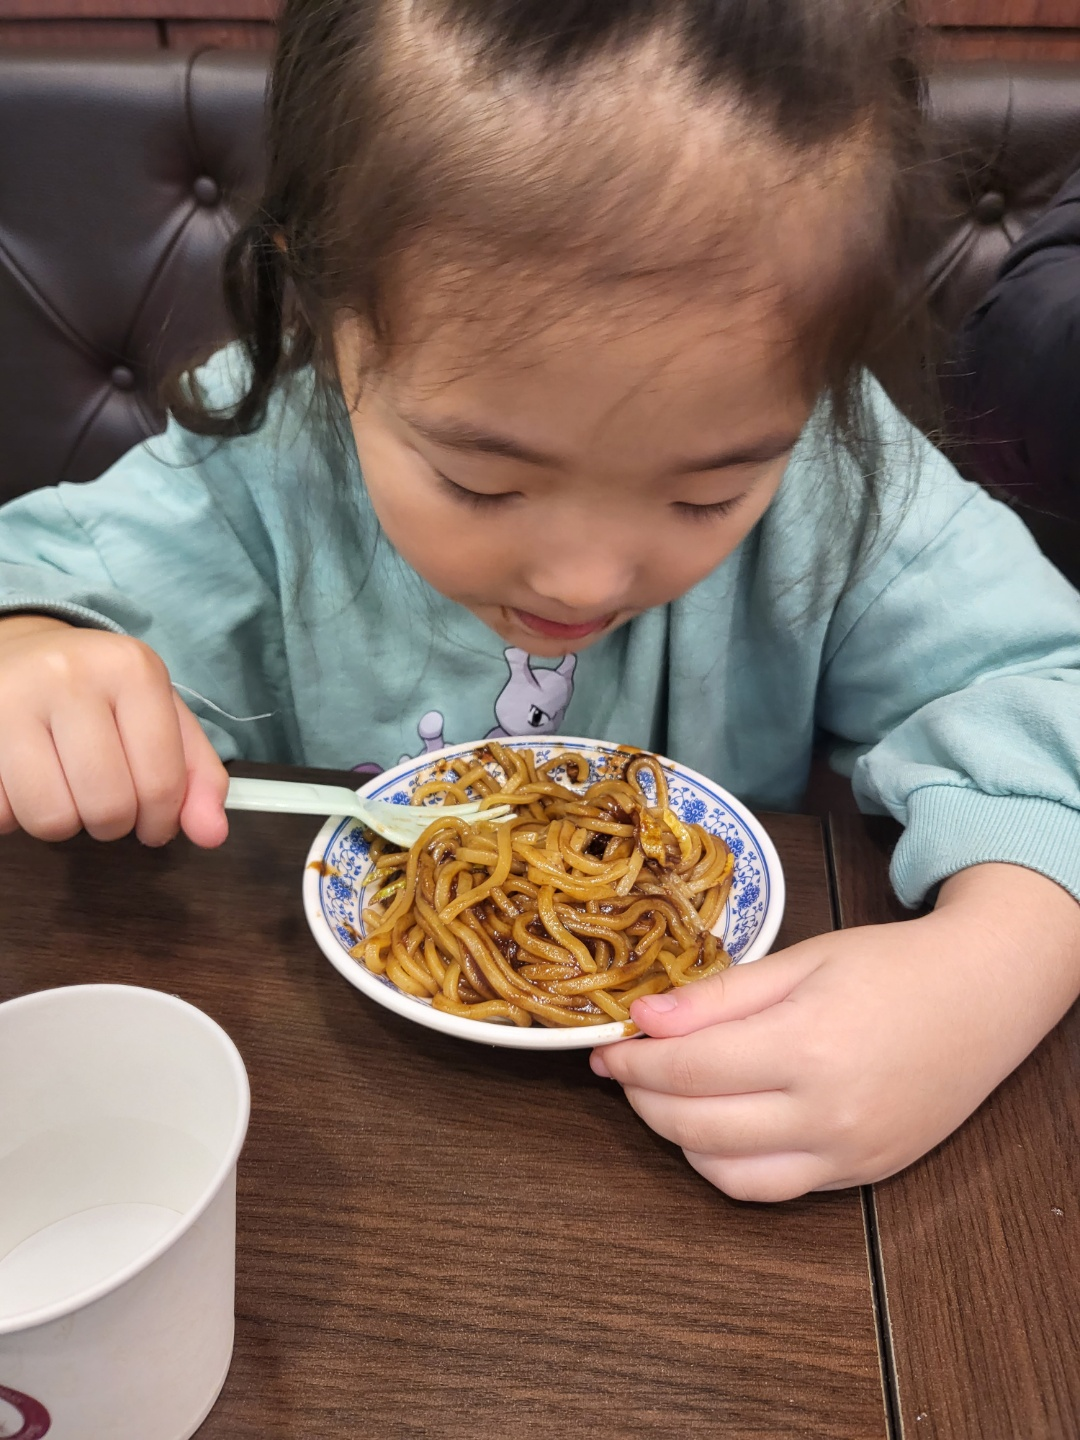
x=404 y=824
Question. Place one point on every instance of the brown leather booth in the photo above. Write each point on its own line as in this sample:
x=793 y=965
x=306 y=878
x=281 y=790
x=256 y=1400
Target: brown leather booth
x=122 y=176
x=120 y=179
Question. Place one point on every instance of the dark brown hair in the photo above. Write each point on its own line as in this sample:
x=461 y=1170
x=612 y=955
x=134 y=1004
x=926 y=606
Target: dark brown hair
x=373 y=162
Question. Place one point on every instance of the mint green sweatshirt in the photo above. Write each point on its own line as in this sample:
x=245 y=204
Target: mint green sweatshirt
x=942 y=664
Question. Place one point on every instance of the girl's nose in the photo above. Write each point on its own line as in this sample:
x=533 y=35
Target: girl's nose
x=588 y=579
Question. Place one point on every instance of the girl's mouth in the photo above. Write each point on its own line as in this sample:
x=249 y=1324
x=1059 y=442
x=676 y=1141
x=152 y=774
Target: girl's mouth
x=556 y=630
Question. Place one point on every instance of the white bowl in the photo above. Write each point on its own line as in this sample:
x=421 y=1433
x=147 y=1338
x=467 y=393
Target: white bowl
x=337 y=887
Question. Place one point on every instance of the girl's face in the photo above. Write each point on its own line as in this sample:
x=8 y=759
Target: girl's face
x=565 y=484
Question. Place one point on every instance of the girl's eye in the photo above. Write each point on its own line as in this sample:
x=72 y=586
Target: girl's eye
x=708 y=512
x=476 y=499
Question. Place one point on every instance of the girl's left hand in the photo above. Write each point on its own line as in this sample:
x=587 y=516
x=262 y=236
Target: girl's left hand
x=843 y=1059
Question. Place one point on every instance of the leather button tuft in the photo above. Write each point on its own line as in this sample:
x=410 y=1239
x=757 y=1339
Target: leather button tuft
x=207 y=191
x=990 y=208
x=123 y=378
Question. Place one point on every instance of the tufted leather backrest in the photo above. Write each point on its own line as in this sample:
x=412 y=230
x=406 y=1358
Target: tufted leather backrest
x=1007 y=138
x=120 y=182
x=121 y=178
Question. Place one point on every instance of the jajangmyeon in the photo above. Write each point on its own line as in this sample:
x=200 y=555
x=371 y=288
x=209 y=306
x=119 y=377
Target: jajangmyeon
x=564 y=914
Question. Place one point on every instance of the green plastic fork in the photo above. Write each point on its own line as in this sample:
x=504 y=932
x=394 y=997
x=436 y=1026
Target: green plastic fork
x=403 y=824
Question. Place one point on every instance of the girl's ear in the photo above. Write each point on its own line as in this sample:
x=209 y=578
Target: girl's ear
x=348 y=355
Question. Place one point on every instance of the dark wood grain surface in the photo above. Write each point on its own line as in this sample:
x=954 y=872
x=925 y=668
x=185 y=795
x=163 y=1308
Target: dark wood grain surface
x=238 y=35
x=437 y=1238
x=1016 y=47
x=215 y=10
x=979 y=1243
x=78 y=34
x=1004 y=13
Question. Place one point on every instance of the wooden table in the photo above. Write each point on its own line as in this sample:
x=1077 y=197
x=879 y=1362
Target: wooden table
x=976 y=1248
x=440 y=1239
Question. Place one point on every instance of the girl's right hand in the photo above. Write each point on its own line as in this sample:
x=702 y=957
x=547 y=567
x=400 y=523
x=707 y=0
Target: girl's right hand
x=93 y=737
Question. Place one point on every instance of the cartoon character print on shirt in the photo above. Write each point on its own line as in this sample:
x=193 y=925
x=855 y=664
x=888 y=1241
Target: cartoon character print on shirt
x=532 y=702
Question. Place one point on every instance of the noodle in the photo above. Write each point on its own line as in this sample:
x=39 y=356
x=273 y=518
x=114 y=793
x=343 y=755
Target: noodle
x=563 y=914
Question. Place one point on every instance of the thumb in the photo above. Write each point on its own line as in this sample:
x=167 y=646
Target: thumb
x=734 y=994
x=202 y=815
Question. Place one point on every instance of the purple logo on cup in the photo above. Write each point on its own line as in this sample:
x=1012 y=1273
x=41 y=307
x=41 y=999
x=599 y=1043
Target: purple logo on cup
x=34 y=1416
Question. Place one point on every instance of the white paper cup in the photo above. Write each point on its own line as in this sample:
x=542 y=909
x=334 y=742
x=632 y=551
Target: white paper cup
x=122 y=1113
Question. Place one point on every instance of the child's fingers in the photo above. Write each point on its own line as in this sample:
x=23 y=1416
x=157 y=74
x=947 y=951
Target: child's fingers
x=36 y=787
x=202 y=817
x=766 y=1178
x=734 y=994
x=95 y=767
x=8 y=823
x=150 y=732
x=738 y=1057
x=730 y=1125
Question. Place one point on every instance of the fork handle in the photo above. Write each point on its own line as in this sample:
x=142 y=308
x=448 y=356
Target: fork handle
x=289 y=797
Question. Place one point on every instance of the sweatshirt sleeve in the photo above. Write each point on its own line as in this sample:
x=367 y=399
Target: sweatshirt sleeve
x=952 y=687
x=168 y=546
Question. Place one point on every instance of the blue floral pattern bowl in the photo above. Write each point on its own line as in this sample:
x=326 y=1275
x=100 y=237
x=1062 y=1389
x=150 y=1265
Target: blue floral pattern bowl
x=337 y=885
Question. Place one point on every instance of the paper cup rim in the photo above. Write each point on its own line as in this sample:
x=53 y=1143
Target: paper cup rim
x=46 y=1314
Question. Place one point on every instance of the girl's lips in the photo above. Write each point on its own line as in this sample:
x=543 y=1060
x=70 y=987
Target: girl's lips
x=555 y=630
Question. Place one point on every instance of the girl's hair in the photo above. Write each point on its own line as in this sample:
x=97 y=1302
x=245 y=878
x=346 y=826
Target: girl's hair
x=381 y=157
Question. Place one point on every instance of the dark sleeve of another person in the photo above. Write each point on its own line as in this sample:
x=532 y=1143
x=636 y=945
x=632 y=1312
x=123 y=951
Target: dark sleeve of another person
x=1016 y=384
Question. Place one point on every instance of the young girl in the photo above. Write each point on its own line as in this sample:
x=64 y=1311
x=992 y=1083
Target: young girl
x=549 y=413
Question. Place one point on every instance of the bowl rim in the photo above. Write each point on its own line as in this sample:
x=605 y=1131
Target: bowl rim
x=533 y=1037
